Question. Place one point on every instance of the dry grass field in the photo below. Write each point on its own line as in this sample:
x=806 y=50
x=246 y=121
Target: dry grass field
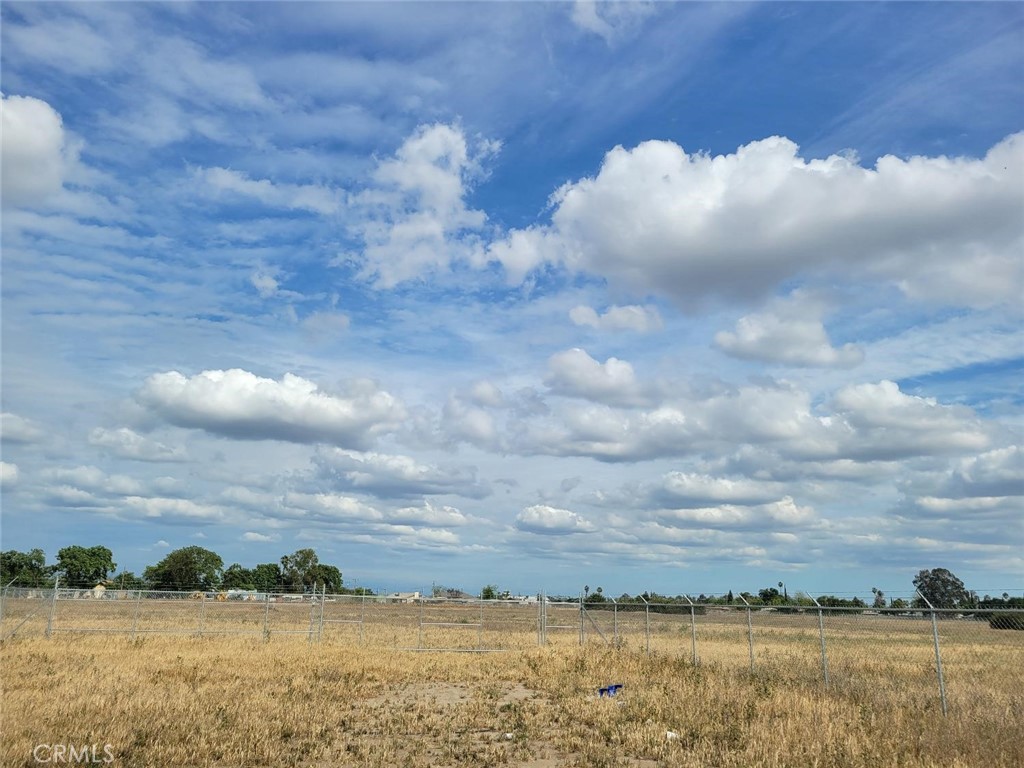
x=184 y=700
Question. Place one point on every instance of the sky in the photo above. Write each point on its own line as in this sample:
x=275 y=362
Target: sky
x=648 y=296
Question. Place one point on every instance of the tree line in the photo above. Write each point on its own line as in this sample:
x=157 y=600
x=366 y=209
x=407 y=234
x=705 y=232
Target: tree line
x=188 y=568
x=938 y=587
x=196 y=568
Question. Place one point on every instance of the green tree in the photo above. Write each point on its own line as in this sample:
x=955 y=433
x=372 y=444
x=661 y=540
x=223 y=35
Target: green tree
x=266 y=577
x=879 y=601
x=23 y=569
x=490 y=592
x=770 y=595
x=84 y=566
x=942 y=589
x=186 y=568
x=237 y=577
x=298 y=569
x=328 y=577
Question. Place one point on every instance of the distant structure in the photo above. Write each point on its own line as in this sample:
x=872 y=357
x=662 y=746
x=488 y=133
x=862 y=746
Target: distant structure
x=403 y=597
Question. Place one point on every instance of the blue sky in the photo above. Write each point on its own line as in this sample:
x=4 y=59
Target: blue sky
x=673 y=297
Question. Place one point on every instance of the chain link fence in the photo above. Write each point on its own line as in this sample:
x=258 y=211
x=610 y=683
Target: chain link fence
x=930 y=657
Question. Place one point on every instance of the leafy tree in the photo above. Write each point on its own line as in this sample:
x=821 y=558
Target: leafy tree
x=942 y=589
x=879 y=601
x=899 y=602
x=831 y=601
x=490 y=592
x=186 y=568
x=770 y=595
x=266 y=577
x=84 y=566
x=302 y=569
x=23 y=569
x=237 y=577
x=299 y=570
x=328 y=577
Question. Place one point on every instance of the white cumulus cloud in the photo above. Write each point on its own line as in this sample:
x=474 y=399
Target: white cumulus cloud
x=389 y=475
x=257 y=537
x=627 y=318
x=8 y=474
x=241 y=405
x=789 y=333
x=35 y=155
x=17 y=429
x=417 y=219
x=577 y=374
x=541 y=518
x=656 y=219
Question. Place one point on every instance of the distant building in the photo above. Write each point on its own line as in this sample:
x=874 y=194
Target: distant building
x=404 y=597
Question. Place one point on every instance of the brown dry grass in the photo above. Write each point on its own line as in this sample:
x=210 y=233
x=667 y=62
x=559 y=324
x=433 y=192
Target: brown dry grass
x=231 y=701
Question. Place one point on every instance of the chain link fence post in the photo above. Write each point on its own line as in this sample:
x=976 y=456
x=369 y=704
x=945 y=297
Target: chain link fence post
x=320 y=627
x=3 y=598
x=135 y=613
x=615 y=623
x=480 y=629
x=693 y=630
x=540 y=620
x=312 y=614
x=750 y=633
x=821 y=635
x=419 y=637
x=53 y=607
x=582 y=628
x=544 y=618
x=938 y=654
x=647 y=625
x=202 y=612
x=266 y=618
